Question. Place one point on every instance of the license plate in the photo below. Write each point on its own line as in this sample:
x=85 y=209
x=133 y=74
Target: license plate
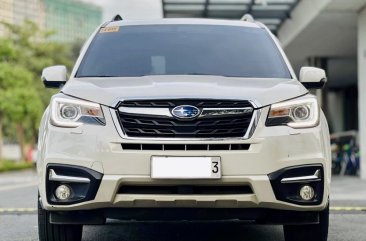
x=185 y=167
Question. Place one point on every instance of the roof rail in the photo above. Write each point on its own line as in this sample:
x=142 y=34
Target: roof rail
x=260 y=24
x=248 y=18
x=117 y=18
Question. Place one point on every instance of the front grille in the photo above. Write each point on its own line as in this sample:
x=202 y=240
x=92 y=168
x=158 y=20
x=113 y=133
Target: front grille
x=218 y=126
x=185 y=190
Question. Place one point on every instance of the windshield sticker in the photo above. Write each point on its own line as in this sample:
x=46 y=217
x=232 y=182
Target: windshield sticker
x=109 y=29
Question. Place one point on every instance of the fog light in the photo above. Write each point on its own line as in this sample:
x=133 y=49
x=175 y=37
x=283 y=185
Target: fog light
x=63 y=192
x=307 y=193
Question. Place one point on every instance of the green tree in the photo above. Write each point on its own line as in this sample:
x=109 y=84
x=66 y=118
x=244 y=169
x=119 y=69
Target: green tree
x=34 y=52
x=23 y=55
x=18 y=100
x=7 y=50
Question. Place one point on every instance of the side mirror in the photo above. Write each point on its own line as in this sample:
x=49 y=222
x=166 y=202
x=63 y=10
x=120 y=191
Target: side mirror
x=54 y=76
x=313 y=78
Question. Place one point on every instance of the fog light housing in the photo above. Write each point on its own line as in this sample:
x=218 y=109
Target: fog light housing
x=307 y=193
x=63 y=192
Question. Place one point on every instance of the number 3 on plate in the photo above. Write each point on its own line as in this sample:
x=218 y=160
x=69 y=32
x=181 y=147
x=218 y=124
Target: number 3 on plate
x=215 y=168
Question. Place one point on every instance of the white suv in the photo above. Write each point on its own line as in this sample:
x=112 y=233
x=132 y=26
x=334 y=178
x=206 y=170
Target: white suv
x=183 y=119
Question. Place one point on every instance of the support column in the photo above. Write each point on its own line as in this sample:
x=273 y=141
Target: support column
x=362 y=88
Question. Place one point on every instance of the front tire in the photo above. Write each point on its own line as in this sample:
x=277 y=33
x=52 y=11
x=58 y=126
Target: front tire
x=56 y=232
x=313 y=232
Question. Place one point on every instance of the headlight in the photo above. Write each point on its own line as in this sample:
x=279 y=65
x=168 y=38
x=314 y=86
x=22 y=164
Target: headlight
x=298 y=113
x=67 y=112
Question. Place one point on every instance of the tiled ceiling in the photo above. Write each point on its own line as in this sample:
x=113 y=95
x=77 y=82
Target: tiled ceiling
x=270 y=12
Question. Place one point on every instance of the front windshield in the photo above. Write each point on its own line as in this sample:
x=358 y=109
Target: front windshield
x=233 y=51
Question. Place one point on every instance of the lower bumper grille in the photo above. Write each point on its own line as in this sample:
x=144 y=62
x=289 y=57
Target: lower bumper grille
x=186 y=190
x=185 y=147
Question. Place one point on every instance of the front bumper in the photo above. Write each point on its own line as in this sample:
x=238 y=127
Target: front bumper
x=100 y=149
x=258 y=192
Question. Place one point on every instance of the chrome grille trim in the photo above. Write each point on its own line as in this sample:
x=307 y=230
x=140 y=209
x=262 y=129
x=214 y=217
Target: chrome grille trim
x=146 y=111
x=52 y=176
x=204 y=113
x=256 y=112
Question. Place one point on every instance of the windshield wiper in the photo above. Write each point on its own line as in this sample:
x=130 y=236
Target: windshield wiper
x=196 y=74
x=214 y=75
x=96 y=76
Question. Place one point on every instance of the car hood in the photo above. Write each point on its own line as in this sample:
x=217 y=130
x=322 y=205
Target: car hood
x=109 y=91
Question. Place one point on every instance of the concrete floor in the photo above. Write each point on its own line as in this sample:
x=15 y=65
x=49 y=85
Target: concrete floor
x=18 y=219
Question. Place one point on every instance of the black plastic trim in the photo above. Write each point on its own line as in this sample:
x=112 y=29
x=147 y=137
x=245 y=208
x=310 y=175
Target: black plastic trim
x=289 y=192
x=315 y=85
x=252 y=215
x=278 y=121
x=185 y=147
x=84 y=191
x=53 y=84
x=185 y=190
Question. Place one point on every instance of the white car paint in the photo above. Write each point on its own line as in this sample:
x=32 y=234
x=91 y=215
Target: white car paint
x=98 y=147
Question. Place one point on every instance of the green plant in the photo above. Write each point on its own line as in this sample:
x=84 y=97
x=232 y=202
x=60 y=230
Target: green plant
x=6 y=165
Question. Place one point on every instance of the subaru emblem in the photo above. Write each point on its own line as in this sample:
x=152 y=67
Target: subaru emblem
x=185 y=112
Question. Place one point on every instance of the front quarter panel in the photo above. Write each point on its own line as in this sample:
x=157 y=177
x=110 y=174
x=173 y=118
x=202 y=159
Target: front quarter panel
x=42 y=136
x=327 y=148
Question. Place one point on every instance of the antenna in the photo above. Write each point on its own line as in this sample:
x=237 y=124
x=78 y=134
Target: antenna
x=117 y=18
x=247 y=18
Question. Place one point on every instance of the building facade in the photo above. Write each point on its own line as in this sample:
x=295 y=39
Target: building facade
x=330 y=34
x=17 y=11
x=6 y=13
x=71 y=20
x=32 y=10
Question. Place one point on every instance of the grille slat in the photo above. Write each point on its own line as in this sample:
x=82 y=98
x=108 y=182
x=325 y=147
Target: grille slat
x=194 y=102
x=137 y=125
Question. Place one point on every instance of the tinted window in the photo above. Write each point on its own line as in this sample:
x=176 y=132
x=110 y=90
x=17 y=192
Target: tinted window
x=184 y=49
